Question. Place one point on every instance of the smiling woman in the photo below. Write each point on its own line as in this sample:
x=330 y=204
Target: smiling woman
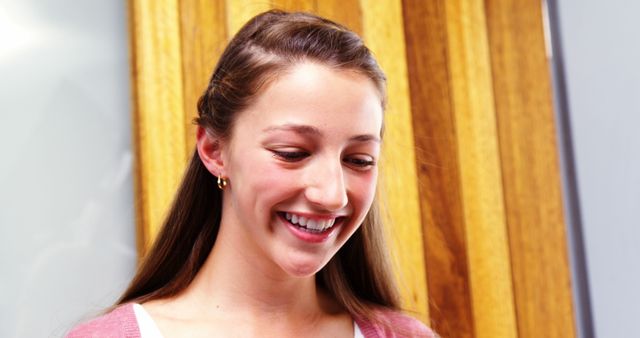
x=291 y=152
x=274 y=230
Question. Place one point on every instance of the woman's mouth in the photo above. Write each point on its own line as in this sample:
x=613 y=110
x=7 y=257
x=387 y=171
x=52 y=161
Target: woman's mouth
x=309 y=224
x=316 y=229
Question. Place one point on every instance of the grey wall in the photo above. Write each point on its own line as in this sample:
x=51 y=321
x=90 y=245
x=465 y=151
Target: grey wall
x=67 y=246
x=600 y=50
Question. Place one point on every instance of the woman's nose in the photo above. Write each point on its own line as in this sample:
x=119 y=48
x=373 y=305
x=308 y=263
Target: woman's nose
x=326 y=186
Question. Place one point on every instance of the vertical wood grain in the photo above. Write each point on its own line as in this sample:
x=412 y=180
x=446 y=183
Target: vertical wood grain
x=531 y=175
x=346 y=12
x=440 y=187
x=384 y=34
x=469 y=165
x=294 y=5
x=239 y=12
x=204 y=34
x=467 y=246
x=158 y=115
x=480 y=172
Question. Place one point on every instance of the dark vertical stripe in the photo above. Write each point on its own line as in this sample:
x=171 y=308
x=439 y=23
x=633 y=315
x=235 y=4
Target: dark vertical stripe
x=582 y=299
x=450 y=301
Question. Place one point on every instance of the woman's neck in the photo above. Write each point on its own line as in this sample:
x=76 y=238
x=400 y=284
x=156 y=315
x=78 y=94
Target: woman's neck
x=238 y=280
x=237 y=290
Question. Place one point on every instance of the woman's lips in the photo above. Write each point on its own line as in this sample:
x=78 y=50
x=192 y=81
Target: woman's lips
x=310 y=223
x=309 y=229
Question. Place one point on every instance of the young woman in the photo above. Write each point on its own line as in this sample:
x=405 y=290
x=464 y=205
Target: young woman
x=274 y=231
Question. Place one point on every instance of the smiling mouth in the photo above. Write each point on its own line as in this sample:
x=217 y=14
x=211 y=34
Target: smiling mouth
x=309 y=224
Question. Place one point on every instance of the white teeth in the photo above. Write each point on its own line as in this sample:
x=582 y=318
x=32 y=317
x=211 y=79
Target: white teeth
x=325 y=224
x=329 y=224
x=317 y=225
x=312 y=224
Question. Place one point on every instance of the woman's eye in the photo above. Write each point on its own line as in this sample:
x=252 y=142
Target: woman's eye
x=360 y=163
x=290 y=156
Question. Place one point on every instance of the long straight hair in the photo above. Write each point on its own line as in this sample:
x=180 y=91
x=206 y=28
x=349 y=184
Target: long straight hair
x=359 y=275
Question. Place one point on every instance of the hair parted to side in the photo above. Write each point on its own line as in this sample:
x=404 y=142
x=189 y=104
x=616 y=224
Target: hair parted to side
x=359 y=275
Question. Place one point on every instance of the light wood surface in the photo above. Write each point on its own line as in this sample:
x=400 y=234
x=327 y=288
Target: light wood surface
x=158 y=111
x=532 y=188
x=345 y=12
x=203 y=30
x=469 y=167
x=294 y=5
x=461 y=189
x=436 y=151
x=239 y=12
x=384 y=34
x=480 y=175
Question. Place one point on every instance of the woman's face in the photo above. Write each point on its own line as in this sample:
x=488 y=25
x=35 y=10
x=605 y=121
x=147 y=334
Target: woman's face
x=301 y=164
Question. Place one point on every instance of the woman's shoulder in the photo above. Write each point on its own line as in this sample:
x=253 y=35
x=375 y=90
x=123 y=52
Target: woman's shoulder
x=392 y=323
x=120 y=322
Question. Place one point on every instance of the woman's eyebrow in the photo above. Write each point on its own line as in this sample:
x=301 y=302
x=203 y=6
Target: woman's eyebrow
x=306 y=130
x=365 y=138
x=297 y=128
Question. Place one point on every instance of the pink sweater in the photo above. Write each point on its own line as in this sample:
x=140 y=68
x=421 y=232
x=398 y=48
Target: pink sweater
x=122 y=323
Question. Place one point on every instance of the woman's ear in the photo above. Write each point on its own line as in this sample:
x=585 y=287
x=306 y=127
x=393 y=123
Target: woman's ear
x=210 y=152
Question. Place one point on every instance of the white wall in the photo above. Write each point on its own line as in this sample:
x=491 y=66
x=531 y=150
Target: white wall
x=600 y=44
x=67 y=245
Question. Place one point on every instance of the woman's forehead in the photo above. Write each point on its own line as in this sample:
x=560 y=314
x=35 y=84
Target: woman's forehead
x=316 y=93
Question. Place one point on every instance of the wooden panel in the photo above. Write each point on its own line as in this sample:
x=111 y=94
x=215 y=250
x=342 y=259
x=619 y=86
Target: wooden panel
x=158 y=111
x=294 y=5
x=439 y=177
x=479 y=156
x=466 y=235
x=532 y=187
x=345 y=12
x=239 y=12
x=204 y=30
x=384 y=34
x=475 y=187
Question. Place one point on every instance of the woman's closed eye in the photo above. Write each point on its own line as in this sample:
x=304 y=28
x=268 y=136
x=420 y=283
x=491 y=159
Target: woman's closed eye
x=290 y=156
x=360 y=163
x=356 y=162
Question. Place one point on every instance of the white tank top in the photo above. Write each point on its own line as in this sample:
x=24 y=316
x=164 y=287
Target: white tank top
x=149 y=329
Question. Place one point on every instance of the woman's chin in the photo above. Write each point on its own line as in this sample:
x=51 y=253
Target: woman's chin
x=302 y=267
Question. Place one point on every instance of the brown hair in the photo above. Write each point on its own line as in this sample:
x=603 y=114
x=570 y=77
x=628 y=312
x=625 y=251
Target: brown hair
x=358 y=276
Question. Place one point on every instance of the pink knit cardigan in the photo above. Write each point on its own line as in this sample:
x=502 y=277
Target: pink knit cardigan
x=122 y=323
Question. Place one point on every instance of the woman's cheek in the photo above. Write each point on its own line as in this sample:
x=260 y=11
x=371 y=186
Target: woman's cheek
x=364 y=185
x=274 y=180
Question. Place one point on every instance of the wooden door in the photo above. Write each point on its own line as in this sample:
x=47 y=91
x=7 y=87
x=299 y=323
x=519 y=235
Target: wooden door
x=470 y=166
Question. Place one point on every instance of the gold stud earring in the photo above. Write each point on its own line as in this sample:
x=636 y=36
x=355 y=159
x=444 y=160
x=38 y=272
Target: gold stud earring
x=222 y=182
